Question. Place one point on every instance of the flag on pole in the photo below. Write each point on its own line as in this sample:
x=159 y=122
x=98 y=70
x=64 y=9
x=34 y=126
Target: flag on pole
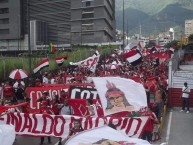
x=96 y=53
x=133 y=57
x=40 y=65
x=51 y=48
x=60 y=60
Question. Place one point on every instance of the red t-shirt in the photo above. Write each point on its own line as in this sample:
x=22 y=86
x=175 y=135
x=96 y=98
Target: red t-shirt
x=8 y=91
x=150 y=122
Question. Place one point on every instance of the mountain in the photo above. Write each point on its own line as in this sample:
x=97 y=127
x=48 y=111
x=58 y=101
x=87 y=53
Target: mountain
x=154 y=15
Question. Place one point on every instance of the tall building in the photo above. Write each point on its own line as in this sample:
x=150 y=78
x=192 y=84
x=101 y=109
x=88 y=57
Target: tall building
x=10 y=24
x=50 y=22
x=188 y=27
x=92 y=21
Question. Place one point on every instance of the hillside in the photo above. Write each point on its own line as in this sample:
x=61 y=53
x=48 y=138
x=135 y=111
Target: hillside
x=154 y=15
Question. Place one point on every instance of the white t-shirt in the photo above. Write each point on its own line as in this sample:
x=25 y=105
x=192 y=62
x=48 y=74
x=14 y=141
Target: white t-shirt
x=187 y=90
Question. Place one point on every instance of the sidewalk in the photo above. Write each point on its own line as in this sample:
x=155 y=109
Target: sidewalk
x=178 y=128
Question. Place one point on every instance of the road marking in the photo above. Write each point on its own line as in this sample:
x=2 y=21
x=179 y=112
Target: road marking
x=169 y=128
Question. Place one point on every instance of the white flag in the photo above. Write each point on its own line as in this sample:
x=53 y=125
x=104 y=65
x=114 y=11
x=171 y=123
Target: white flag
x=102 y=136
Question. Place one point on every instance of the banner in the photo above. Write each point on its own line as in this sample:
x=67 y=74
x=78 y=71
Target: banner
x=83 y=93
x=89 y=63
x=119 y=94
x=59 y=126
x=104 y=136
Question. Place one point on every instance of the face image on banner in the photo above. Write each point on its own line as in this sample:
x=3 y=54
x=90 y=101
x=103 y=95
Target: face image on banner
x=119 y=95
x=108 y=142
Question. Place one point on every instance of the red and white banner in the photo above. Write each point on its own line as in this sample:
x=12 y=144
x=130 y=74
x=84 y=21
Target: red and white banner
x=42 y=64
x=89 y=63
x=59 y=126
x=120 y=94
x=104 y=136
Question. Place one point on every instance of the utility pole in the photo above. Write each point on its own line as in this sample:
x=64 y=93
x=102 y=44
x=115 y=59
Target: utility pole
x=127 y=31
x=29 y=44
x=123 y=23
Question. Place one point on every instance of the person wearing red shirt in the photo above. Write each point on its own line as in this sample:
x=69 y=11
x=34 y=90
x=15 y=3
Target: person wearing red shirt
x=7 y=91
x=45 y=109
x=147 y=134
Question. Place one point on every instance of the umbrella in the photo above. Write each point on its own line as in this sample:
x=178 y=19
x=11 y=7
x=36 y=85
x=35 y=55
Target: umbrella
x=18 y=74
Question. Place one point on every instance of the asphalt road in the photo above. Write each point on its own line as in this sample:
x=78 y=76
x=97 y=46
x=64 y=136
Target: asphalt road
x=24 y=140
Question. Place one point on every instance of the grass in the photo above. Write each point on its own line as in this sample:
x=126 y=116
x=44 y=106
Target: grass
x=7 y=64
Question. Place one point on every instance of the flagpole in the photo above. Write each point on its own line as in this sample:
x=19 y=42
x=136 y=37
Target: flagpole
x=29 y=44
x=123 y=23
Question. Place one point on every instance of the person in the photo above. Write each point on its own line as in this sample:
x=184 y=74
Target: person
x=75 y=130
x=116 y=100
x=65 y=109
x=185 y=97
x=148 y=131
x=159 y=103
x=7 y=91
x=44 y=109
x=55 y=103
x=91 y=108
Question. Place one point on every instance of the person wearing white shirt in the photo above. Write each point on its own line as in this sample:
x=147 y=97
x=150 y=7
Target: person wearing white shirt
x=185 y=97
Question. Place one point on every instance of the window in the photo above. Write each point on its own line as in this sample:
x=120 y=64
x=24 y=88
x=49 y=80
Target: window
x=87 y=3
x=4 y=21
x=88 y=10
x=4 y=31
x=88 y=15
x=88 y=34
x=87 y=22
x=87 y=27
x=4 y=10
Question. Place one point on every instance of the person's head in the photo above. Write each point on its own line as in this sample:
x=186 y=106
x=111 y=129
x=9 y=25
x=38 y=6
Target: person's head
x=63 y=93
x=77 y=123
x=89 y=102
x=66 y=101
x=44 y=94
x=185 y=84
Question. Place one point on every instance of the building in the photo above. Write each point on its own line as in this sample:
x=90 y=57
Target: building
x=58 y=21
x=50 y=22
x=11 y=30
x=92 y=21
x=188 y=28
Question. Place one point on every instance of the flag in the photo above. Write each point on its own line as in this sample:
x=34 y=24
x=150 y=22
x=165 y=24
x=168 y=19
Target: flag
x=40 y=65
x=133 y=57
x=51 y=48
x=60 y=60
x=106 y=135
x=96 y=53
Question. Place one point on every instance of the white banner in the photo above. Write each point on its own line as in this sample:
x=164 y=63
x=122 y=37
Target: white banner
x=119 y=94
x=7 y=134
x=60 y=126
x=89 y=63
x=104 y=136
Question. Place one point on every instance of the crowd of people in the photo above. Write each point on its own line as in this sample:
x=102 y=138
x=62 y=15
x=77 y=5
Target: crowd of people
x=151 y=72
